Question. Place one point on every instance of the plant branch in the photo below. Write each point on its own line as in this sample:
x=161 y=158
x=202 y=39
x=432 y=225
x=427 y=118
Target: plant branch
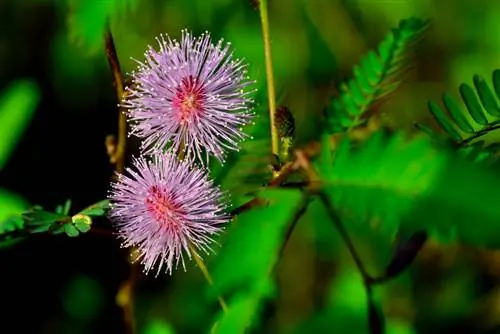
x=124 y=299
x=345 y=236
x=375 y=316
x=206 y=274
x=117 y=156
x=478 y=134
x=301 y=210
x=125 y=294
x=271 y=94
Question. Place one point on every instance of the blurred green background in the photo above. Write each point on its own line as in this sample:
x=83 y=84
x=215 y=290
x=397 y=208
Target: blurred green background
x=58 y=104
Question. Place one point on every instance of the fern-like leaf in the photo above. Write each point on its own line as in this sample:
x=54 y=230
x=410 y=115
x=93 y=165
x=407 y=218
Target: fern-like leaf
x=463 y=126
x=394 y=180
x=376 y=76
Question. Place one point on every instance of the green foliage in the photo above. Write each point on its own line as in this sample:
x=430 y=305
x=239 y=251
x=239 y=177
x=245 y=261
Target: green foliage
x=481 y=116
x=83 y=298
x=243 y=308
x=346 y=309
x=37 y=220
x=376 y=77
x=249 y=252
x=88 y=19
x=11 y=206
x=96 y=210
x=409 y=184
x=17 y=105
x=158 y=327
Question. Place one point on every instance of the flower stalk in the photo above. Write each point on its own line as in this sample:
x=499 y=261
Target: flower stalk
x=271 y=93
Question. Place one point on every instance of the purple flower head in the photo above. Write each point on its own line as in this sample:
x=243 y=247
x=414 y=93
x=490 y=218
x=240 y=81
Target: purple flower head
x=191 y=95
x=162 y=205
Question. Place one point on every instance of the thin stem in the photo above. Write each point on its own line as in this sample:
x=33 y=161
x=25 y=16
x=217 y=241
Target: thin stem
x=345 y=236
x=285 y=172
x=206 y=274
x=125 y=297
x=375 y=317
x=118 y=157
x=301 y=210
x=271 y=94
x=479 y=134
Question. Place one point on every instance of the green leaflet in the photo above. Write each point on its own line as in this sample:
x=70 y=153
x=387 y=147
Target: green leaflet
x=408 y=184
x=480 y=117
x=96 y=209
x=376 y=76
x=37 y=220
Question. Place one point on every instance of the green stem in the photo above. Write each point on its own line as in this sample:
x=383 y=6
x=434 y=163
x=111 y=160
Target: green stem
x=206 y=274
x=270 y=77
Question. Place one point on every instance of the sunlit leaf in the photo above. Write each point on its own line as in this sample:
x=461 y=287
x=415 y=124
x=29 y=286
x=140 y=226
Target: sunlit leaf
x=88 y=19
x=158 y=327
x=17 y=105
x=97 y=209
x=11 y=206
x=251 y=241
x=394 y=180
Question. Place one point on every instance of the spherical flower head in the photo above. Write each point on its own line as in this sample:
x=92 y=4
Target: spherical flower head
x=191 y=96
x=161 y=206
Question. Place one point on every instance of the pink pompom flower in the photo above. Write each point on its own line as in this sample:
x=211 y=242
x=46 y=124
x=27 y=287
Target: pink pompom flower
x=190 y=96
x=161 y=206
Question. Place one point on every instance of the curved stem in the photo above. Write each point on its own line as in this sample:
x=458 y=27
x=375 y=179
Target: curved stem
x=300 y=211
x=479 y=134
x=270 y=77
x=206 y=274
x=125 y=294
x=345 y=236
x=118 y=157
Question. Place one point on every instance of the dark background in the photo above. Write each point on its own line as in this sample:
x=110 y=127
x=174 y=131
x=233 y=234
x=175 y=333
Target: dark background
x=62 y=285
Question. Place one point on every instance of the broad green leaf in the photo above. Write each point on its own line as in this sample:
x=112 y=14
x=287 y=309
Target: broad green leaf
x=88 y=19
x=242 y=310
x=11 y=206
x=17 y=104
x=252 y=241
x=396 y=180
